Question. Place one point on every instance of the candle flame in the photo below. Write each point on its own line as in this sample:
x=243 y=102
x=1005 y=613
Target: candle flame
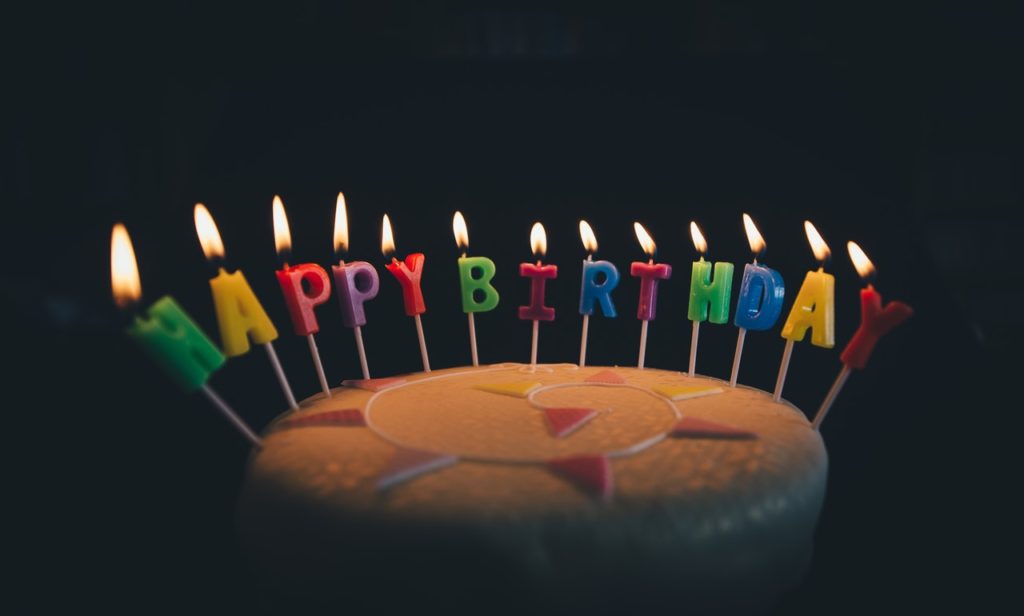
x=460 y=231
x=387 y=238
x=538 y=240
x=754 y=237
x=861 y=262
x=282 y=234
x=588 y=237
x=646 y=241
x=821 y=250
x=124 y=270
x=698 y=238
x=209 y=236
x=341 y=225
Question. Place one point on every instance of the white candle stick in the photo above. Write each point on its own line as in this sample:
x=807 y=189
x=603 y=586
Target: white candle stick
x=643 y=344
x=281 y=378
x=423 y=344
x=533 y=345
x=826 y=404
x=472 y=339
x=693 y=348
x=358 y=331
x=319 y=365
x=583 y=340
x=783 y=369
x=740 y=337
x=231 y=416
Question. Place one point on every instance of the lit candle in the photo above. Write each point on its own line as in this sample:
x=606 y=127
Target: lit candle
x=592 y=290
x=167 y=334
x=297 y=298
x=649 y=274
x=762 y=292
x=472 y=285
x=407 y=273
x=240 y=316
x=875 y=322
x=538 y=275
x=814 y=308
x=709 y=300
x=355 y=282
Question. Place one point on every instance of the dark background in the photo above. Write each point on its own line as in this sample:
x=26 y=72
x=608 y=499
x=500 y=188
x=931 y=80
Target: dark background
x=895 y=126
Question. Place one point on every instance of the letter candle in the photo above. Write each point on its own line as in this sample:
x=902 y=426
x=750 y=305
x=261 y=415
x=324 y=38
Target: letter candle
x=592 y=291
x=709 y=301
x=762 y=292
x=299 y=301
x=875 y=322
x=240 y=316
x=471 y=284
x=538 y=275
x=167 y=334
x=355 y=282
x=407 y=273
x=814 y=308
x=649 y=273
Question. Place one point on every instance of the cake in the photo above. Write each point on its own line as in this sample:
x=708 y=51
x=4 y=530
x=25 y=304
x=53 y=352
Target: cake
x=546 y=489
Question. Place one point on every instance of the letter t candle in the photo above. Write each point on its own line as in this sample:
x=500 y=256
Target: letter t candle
x=407 y=273
x=649 y=274
x=538 y=275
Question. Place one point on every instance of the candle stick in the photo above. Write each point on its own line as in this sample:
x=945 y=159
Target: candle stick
x=472 y=285
x=649 y=273
x=875 y=322
x=813 y=308
x=356 y=283
x=592 y=291
x=762 y=292
x=240 y=316
x=167 y=334
x=407 y=273
x=301 y=299
x=538 y=274
x=709 y=301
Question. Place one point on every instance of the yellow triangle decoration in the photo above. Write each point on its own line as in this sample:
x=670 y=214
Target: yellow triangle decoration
x=685 y=392
x=518 y=390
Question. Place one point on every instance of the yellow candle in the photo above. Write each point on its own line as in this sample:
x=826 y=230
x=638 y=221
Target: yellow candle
x=240 y=316
x=814 y=308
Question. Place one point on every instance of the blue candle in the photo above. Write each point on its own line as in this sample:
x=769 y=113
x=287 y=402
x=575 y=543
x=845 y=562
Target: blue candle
x=594 y=292
x=762 y=292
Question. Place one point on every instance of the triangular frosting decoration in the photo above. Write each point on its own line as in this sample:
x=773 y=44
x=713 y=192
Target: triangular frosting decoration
x=605 y=376
x=563 y=421
x=518 y=390
x=408 y=464
x=373 y=384
x=691 y=427
x=592 y=473
x=685 y=392
x=340 y=417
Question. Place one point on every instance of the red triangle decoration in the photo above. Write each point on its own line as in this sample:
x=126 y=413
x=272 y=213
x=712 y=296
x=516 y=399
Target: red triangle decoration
x=691 y=427
x=373 y=384
x=408 y=464
x=340 y=417
x=605 y=376
x=591 y=473
x=563 y=421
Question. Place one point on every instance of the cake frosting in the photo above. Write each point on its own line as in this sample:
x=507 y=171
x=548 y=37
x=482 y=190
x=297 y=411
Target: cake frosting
x=550 y=487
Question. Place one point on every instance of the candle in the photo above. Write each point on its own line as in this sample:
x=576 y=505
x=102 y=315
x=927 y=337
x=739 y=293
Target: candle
x=649 y=274
x=813 y=308
x=471 y=284
x=166 y=333
x=709 y=300
x=300 y=299
x=240 y=316
x=407 y=273
x=356 y=282
x=592 y=291
x=762 y=292
x=538 y=274
x=875 y=322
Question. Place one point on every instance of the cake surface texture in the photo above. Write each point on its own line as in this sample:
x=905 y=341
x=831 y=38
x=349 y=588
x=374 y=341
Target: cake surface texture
x=555 y=489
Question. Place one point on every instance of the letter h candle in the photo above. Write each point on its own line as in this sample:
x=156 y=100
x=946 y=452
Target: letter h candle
x=709 y=299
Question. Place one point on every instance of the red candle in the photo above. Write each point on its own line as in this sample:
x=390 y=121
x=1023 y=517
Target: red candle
x=407 y=273
x=649 y=274
x=875 y=321
x=301 y=301
x=538 y=274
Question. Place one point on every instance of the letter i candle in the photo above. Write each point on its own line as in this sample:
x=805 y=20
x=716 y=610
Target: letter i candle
x=649 y=274
x=591 y=291
x=762 y=292
x=470 y=284
x=240 y=316
x=355 y=282
x=538 y=274
x=408 y=273
x=709 y=300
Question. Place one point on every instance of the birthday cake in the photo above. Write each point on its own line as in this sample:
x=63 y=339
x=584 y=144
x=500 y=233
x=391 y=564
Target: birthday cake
x=555 y=488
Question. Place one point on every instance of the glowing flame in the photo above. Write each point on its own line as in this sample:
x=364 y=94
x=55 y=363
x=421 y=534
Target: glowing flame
x=387 y=238
x=209 y=236
x=282 y=234
x=341 y=226
x=124 y=271
x=538 y=240
x=646 y=241
x=698 y=238
x=754 y=238
x=860 y=260
x=588 y=237
x=821 y=250
x=460 y=231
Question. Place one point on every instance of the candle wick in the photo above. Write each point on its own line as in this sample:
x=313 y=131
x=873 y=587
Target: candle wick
x=650 y=261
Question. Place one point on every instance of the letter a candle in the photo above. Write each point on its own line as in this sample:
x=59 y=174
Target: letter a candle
x=470 y=284
x=538 y=275
x=355 y=282
x=407 y=273
x=709 y=300
x=649 y=274
x=591 y=291
x=239 y=314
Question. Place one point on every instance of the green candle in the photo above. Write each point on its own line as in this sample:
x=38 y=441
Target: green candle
x=176 y=343
x=484 y=269
x=709 y=301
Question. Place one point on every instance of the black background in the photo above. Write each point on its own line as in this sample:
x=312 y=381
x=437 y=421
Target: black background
x=894 y=126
